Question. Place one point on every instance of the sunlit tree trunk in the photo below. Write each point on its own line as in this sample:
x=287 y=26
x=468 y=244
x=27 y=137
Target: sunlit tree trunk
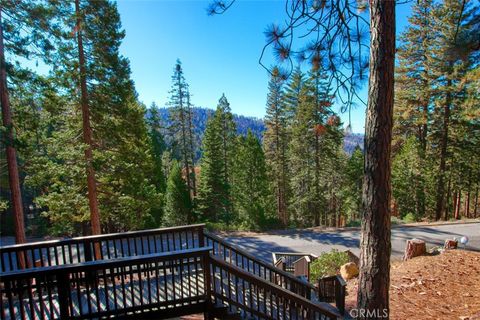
x=440 y=205
x=374 y=280
x=87 y=130
x=11 y=153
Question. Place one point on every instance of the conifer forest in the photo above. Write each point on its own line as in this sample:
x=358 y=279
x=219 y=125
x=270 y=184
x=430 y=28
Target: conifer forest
x=81 y=154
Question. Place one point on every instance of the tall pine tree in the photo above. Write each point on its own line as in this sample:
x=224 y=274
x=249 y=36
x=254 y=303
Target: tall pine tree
x=251 y=183
x=182 y=126
x=275 y=144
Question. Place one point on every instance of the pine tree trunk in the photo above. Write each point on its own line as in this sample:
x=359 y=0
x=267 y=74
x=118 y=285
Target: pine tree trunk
x=458 y=205
x=317 y=179
x=87 y=130
x=375 y=246
x=475 y=207
x=11 y=152
x=191 y=149
x=466 y=212
x=447 y=205
x=440 y=201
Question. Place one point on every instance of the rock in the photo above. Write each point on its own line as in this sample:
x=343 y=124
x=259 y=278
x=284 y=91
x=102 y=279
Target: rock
x=349 y=271
x=414 y=248
x=450 y=244
x=435 y=250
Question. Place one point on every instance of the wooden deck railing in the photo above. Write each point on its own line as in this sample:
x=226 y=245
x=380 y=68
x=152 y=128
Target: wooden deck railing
x=129 y=286
x=110 y=246
x=145 y=271
x=333 y=289
x=238 y=257
x=251 y=297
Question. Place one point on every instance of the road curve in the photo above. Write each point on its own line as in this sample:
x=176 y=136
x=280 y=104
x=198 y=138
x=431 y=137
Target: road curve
x=316 y=242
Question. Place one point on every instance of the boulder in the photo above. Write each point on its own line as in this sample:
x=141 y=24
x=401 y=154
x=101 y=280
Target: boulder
x=349 y=271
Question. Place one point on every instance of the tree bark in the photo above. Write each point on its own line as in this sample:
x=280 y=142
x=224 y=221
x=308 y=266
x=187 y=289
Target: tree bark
x=458 y=205
x=449 y=193
x=87 y=130
x=475 y=206
x=466 y=212
x=374 y=280
x=440 y=201
x=414 y=248
x=11 y=152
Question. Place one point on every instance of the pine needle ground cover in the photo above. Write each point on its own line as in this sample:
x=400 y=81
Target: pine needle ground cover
x=445 y=286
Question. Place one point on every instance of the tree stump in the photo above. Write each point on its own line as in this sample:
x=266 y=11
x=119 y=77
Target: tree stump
x=414 y=248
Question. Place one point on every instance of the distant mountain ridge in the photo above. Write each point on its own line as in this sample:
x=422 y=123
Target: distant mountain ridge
x=257 y=126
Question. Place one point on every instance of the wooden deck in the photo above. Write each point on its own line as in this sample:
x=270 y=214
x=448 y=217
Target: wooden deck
x=155 y=274
x=151 y=293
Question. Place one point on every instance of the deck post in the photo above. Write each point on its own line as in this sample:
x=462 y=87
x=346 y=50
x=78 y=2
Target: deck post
x=63 y=282
x=201 y=237
x=208 y=289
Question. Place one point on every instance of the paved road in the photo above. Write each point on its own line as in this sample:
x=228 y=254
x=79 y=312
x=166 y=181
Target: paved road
x=316 y=242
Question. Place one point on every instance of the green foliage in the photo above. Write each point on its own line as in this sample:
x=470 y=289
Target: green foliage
x=409 y=218
x=435 y=131
x=178 y=206
x=327 y=264
x=214 y=192
x=181 y=125
x=251 y=185
x=354 y=223
x=407 y=178
x=275 y=144
x=316 y=158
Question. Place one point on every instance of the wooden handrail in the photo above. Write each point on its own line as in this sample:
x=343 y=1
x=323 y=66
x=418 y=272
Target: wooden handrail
x=260 y=262
x=107 y=287
x=320 y=307
x=103 y=264
x=106 y=236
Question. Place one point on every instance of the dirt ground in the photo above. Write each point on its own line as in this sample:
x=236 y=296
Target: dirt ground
x=445 y=286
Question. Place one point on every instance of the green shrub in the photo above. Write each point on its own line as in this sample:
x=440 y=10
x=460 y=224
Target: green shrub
x=409 y=218
x=327 y=264
x=354 y=223
x=222 y=226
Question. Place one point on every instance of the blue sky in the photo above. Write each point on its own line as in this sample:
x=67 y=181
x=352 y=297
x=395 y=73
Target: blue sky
x=219 y=53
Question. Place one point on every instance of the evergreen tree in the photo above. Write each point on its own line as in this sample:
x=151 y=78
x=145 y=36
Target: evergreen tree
x=316 y=141
x=451 y=57
x=435 y=55
x=213 y=191
x=354 y=178
x=178 y=205
x=412 y=100
x=24 y=34
x=125 y=189
x=181 y=125
x=292 y=94
x=406 y=176
x=219 y=146
x=251 y=183
x=275 y=144
x=158 y=145
x=228 y=134
x=413 y=94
